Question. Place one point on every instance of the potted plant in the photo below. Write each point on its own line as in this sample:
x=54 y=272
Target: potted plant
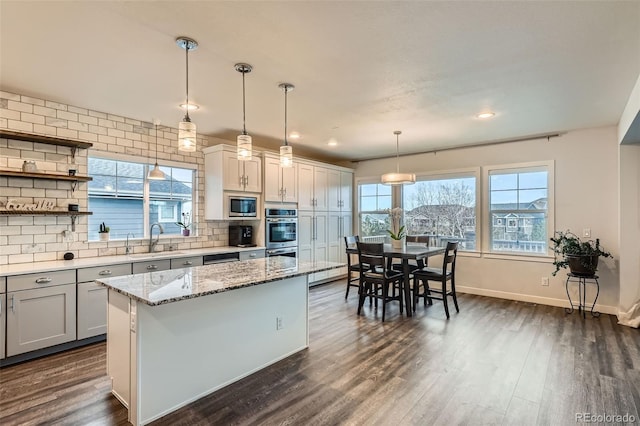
x=185 y=224
x=103 y=233
x=581 y=257
x=397 y=232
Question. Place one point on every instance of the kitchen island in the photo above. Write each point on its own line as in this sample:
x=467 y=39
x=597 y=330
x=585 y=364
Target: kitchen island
x=175 y=336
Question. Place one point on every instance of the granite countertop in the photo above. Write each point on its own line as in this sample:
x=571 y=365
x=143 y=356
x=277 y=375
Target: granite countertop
x=157 y=288
x=57 y=265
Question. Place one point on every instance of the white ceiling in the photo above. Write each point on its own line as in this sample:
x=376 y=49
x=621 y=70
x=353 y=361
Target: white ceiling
x=361 y=69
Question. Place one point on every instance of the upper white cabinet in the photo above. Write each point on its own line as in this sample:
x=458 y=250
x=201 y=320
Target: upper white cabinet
x=312 y=187
x=224 y=175
x=280 y=184
x=339 y=190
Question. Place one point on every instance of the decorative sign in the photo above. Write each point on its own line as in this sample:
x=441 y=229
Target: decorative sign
x=42 y=205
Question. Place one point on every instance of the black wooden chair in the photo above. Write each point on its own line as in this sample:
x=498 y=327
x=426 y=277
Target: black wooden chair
x=353 y=280
x=442 y=275
x=425 y=240
x=376 y=278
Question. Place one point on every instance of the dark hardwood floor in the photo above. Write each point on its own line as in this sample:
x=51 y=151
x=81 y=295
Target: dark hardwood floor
x=496 y=362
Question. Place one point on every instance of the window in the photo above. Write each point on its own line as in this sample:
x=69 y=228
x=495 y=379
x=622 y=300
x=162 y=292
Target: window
x=374 y=199
x=443 y=206
x=122 y=197
x=518 y=209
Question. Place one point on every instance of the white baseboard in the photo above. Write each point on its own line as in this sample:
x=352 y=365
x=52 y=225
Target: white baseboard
x=549 y=301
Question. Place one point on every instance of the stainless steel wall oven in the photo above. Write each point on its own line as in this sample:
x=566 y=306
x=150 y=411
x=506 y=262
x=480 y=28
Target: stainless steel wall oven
x=281 y=232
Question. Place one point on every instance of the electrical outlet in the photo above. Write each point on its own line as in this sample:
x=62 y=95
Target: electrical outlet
x=278 y=323
x=586 y=232
x=545 y=281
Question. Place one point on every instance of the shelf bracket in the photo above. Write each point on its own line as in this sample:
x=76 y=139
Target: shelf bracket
x=73 y=223
x=74 y=185
x=73 y=153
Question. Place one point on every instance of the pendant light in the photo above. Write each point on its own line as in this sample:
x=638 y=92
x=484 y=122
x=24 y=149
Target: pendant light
x=286 y=152
x=244 y=140
x=398 y=178
x=187 y=129
x=156 y=173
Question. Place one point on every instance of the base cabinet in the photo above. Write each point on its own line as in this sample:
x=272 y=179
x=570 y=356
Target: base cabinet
x=40 y=318
x=3 y=324
x=92 y=310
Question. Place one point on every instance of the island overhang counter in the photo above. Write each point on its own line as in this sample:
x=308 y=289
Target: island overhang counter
x=175 y=336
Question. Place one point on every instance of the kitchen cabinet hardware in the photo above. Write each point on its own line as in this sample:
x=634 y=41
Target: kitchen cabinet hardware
x=188 y=263
x=43 y=280
x=152 y=267
x=105 y=272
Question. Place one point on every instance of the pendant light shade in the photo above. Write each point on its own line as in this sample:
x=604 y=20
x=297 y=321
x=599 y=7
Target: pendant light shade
x=156 y=173
x=398 y=178
x=244 y=144
x=187 y=129
x=286 y=151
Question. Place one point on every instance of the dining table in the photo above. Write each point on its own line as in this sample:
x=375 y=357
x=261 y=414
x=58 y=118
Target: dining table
x=417 y=252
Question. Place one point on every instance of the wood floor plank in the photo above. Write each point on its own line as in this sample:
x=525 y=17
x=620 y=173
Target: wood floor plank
x=495 y=362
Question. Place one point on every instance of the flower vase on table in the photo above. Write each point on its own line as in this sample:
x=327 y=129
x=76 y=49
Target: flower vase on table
x=398 y=244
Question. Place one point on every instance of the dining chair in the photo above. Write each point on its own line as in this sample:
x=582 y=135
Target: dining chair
x=353 y=280
x=376 y=278
x=442 y=275
x=426 y=240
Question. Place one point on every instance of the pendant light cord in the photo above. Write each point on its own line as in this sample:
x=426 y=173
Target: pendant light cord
x=285 y=116
x=156 y=144
x=397 y=153
x=186 y=49
x=244 y=115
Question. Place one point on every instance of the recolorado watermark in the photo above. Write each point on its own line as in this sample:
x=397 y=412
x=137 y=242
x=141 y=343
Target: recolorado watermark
x=605 y=418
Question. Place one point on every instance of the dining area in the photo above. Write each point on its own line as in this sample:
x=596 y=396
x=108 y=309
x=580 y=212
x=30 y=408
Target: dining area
x=400 y=274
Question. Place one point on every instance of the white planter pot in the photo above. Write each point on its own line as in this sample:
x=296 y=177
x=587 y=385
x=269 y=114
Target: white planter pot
x=104 y=236
x=398 y=244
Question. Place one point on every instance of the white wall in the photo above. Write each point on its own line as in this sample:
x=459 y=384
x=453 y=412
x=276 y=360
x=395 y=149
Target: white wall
x=586 y=182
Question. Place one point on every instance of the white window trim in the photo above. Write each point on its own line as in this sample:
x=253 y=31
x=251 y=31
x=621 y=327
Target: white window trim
x=518 y=167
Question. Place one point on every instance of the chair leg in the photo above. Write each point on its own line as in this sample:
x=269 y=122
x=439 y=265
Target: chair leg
x=444 y=297
x=385 y=294
x=400 y=295
x=427 y=293
x=453 y=293
x=362 y=296
x=348 y=283
x=416 y=290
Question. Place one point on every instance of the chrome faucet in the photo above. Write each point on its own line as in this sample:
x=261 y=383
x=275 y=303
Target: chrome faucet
x=127 y=249
x=152 y=243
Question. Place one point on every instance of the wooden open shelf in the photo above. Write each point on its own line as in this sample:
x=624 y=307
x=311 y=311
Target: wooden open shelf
x=49 y=176
x=49 y=140
x=42 y=213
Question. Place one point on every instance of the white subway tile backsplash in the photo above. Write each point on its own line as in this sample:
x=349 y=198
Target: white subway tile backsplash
x=19 y=106
x=31 y=118
x=20 y=258
x=44 y=130
x=30 y=100
x=44 y=111
x=20 y=126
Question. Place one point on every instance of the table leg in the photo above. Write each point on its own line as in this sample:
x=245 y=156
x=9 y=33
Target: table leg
x=408 y=302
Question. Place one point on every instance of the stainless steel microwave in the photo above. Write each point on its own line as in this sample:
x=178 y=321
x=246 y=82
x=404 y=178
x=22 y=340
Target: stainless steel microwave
x=243 y=206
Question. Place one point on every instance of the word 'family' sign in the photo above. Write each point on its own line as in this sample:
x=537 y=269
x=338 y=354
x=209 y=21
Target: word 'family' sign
x=42 y=205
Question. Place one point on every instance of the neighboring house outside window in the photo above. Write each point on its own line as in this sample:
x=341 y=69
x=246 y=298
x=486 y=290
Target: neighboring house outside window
x=122 y=197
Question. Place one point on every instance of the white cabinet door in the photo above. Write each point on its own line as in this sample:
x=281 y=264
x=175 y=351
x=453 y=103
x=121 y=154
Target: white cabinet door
x=320 y=243
x=92 y=310
x=3 y=324
x=272 y=179
x=305 y=235
x=346 y=191
x=252 y=175
x=305 y=187
x=320 y=188
x=233 y=172
x=333 y=190
x=289 y=183
x=334 y=235
x=40 y=318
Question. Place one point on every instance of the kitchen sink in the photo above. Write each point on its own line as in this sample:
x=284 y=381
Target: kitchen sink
x=152 y=255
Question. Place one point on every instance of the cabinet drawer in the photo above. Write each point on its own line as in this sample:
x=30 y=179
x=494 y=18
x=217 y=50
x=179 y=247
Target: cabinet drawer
x=151 y=266
x=106 y=271
x=42 y=279
x=186 y=262
x=253 y=254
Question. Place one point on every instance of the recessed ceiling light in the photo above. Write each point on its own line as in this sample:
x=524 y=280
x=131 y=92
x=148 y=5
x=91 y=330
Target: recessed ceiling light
x=192 y=107
x=294 y=135
x=486 y=115
x=332 y=142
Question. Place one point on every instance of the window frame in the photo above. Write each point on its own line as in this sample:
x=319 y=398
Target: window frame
x=474 y=172
x=148 y=164
x=549 y=165
x=395 y=198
